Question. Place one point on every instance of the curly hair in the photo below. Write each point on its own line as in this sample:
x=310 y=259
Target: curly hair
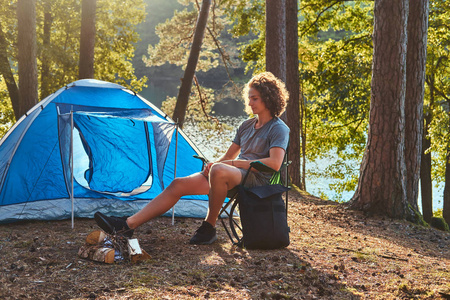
x=272 y=90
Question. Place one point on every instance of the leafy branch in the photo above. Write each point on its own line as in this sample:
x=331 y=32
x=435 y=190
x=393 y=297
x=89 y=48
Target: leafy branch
x=203 y=103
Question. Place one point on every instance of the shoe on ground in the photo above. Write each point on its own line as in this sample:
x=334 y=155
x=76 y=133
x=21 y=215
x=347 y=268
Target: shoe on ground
x=113 y=225
x=204 y=235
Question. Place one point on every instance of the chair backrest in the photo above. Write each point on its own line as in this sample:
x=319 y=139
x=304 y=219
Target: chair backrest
x=276 y=178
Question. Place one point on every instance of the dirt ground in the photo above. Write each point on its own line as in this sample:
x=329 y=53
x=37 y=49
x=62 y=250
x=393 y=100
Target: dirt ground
x=334 y=254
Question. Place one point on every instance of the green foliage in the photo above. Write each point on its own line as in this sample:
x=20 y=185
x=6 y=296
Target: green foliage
x=176 y=38
x=194 y=110
x=438 y=134
x=7 y=118
x=335 y=76
x=335 y=50
x=198 y=118
x=157 y=12
x=248 y=19
x=8 y=28
x=114 y=48
x=438 y=213
x=8 y=24
x=116 y=35
x=438 y=81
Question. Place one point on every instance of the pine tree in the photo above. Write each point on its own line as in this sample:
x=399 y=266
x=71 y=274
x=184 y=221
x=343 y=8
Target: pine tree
x=381 y=187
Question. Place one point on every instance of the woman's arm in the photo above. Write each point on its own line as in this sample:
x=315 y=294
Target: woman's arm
x=232 y=153
x=227 y=158
x=274 y=161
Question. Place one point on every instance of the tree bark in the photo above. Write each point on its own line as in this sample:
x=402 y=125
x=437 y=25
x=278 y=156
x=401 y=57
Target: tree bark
x=27 y=64
x=303 y=113
x=45 y=55
x=186 y=83
x=426 y=183
x=87 y=39
x=6 y=72
x=446 y=208
x=293 y=87
x=416 y=59
x=381 y=187
x=276 y=38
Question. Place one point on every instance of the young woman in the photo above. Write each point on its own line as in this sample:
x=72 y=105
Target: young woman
x=263 y=137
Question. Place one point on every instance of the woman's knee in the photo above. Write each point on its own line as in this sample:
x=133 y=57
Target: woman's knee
x=218 y=172
x=190 y=185
x=224 y=174
x=176 y=185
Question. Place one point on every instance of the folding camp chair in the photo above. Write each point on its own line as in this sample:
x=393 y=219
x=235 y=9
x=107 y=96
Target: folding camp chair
x=230 y=209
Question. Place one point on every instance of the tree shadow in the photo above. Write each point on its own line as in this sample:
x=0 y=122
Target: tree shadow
x=283 y=274
x=418 y=239
x=222 y=270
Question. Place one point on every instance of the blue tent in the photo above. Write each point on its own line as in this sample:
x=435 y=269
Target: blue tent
x=123 y=150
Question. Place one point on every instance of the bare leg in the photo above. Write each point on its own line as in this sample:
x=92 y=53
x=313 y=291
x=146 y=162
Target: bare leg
x=222 y=177
x=195 y=184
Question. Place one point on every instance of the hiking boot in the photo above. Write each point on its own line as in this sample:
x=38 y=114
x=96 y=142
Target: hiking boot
x=113 y=225
x=204 y=235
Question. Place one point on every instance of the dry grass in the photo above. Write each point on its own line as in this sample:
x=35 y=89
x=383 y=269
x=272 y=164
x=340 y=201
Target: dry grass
x=334 y=254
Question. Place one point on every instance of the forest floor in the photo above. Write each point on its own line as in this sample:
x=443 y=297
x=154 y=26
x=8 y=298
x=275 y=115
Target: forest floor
x=334 y=254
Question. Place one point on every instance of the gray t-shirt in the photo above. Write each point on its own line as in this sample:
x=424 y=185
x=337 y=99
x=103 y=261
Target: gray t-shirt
x=256 y=143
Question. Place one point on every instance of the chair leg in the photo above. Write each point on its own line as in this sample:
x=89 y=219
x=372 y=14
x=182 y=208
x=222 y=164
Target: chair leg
x=235 y=224
x=234 y=227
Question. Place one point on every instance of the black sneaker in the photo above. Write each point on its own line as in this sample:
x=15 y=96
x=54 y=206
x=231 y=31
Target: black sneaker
x=113 y=225
x=204 y=235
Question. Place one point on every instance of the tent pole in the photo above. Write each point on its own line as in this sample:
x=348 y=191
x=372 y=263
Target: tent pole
x=175 y=167
x=71 y=165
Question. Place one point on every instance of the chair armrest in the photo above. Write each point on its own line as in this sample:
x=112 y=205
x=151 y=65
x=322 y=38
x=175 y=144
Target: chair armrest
x=261 y=167
x=204 y=160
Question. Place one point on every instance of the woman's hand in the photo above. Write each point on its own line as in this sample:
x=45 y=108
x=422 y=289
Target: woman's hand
x=207 y=168
x=209 y=165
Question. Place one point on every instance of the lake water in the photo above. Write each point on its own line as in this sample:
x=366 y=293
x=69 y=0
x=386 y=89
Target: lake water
x=213 y=144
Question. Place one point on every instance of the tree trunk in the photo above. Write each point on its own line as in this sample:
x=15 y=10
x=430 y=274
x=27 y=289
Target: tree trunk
x=381 y=187
x=293 y=87
x=186 y=83
x=426 y=184
x=303 y=112
x=446 y=208
x=45 y=55
x=87 y=39
x=6 y=72
x=27 y=64
x=416 y=59
x=276 y=38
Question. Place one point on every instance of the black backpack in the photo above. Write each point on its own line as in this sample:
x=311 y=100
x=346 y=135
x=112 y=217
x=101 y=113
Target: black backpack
x=263 y=217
